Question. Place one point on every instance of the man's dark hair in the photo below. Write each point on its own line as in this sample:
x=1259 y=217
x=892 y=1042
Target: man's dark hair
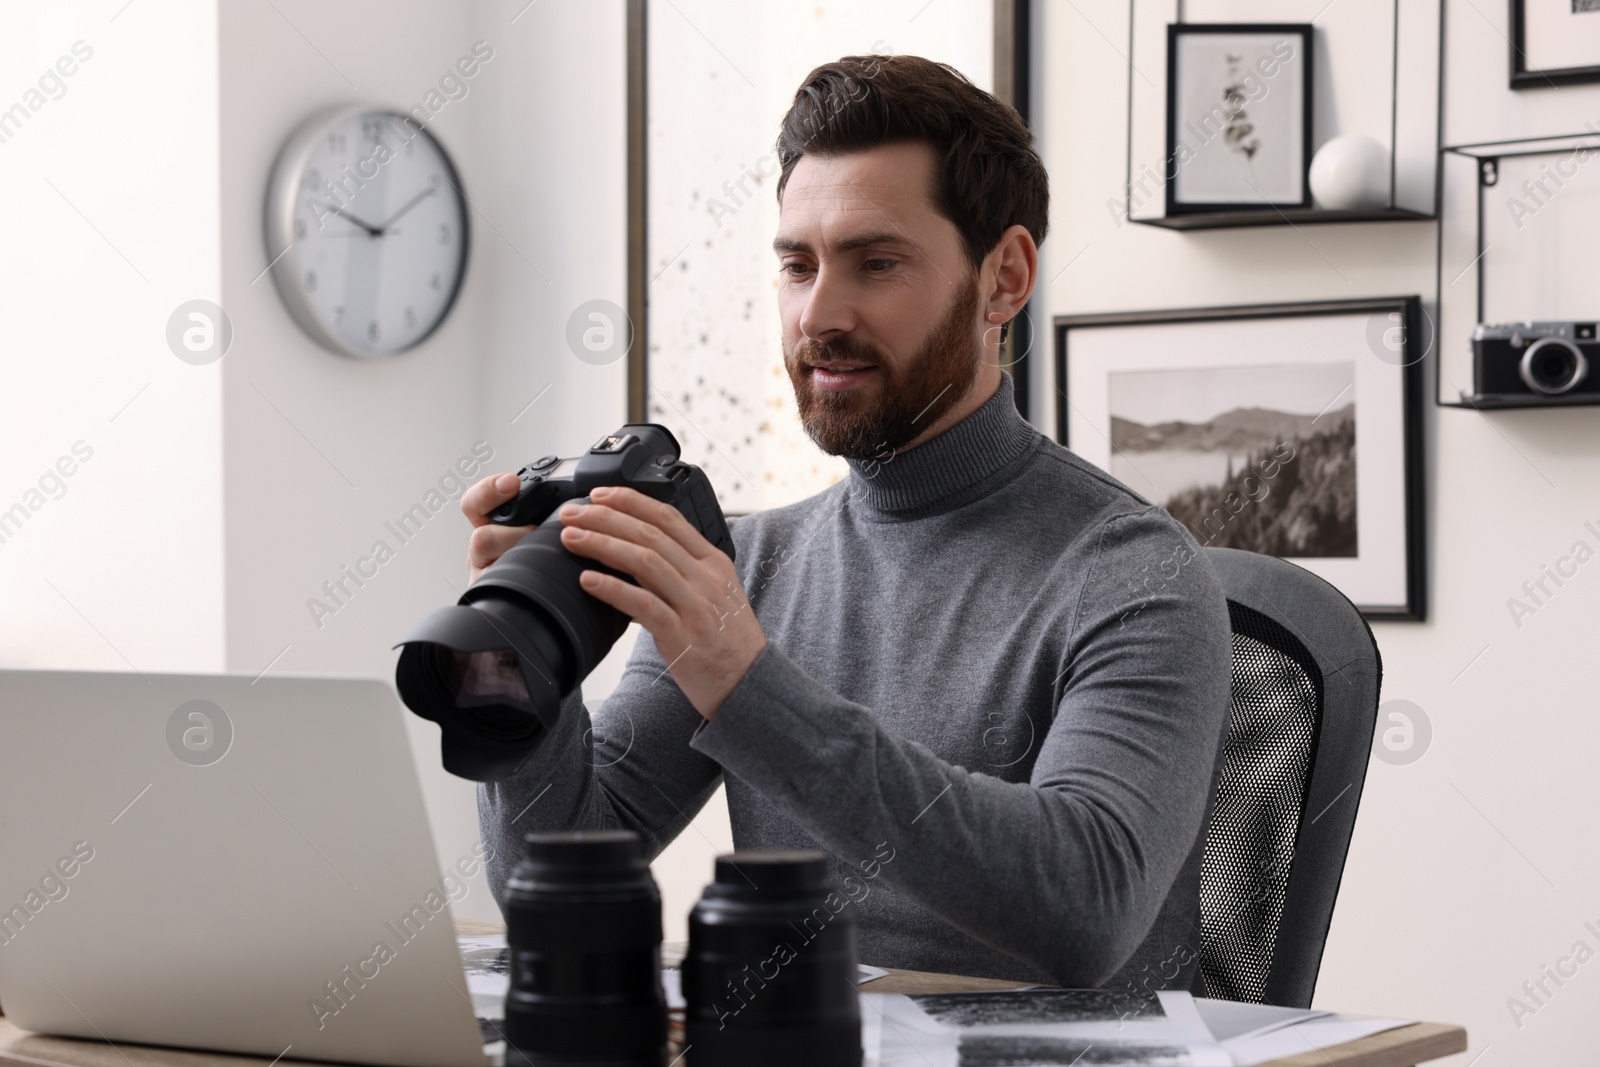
x=987 y=175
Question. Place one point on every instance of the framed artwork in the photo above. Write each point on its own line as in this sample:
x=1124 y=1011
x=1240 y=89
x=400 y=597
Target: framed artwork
x=1289 y=429
x=1238 y=116
x=1554 y=42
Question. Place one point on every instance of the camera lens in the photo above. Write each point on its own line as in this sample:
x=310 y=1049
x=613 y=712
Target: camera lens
x=770 y=976
x=1553 y=365
x=583 y=929
x=489 y=679
x=491 y=671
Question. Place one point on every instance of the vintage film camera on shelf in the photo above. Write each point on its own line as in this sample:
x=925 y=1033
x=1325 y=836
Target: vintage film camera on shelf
x=1537 y=362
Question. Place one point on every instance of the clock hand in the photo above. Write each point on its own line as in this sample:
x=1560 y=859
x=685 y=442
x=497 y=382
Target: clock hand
x=376 y=231
x=409 y=204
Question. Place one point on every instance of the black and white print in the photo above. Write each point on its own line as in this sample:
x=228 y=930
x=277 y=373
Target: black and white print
x=1260 y=458
x=1040 y=1006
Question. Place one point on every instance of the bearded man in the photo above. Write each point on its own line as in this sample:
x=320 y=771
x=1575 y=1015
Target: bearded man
x=989 y=681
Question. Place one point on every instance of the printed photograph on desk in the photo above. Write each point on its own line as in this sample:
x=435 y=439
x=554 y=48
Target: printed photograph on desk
x=1041 y=1005
x=1045 y=1026
x=486 y=966
x=1292 y=430
x=1002 y=1050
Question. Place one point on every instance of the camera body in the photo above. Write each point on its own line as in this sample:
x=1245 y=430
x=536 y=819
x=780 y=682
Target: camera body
x=641 y=456
x=1543 y=362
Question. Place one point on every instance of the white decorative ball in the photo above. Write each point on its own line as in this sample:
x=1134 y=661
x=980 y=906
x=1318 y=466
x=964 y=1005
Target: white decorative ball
x=1350 y=171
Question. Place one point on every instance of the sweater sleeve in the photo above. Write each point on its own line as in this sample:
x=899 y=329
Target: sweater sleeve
x=627 y=765
x=1068 y=870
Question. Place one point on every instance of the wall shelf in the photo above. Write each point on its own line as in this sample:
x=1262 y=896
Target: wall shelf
x=1492 y=403
x=1358 y=46
x=1229 y=220
x=1514 y=217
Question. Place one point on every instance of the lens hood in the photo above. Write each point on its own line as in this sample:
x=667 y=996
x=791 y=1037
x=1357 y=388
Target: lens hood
x=485 y=743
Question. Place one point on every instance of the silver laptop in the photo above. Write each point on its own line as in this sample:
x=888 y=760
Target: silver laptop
x=224 y=862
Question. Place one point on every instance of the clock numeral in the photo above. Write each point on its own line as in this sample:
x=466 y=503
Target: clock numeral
x=444 y=233
x=313 y=179
x=372 y=330
x=338 y=314
x=299 y=228
x=372 y=130
x=336 y=143
x=311 y=281
x=411 y=319
x=435 y=283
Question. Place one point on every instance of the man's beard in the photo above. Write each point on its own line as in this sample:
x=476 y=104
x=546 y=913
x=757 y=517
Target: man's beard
x=905 y=400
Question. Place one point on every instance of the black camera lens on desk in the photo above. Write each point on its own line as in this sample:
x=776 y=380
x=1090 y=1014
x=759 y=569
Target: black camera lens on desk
x=493 y=668
x=770 y=976
x=583 y=933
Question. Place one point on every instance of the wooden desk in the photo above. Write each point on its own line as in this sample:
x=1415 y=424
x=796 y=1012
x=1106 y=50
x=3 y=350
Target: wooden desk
x=1402 y=1047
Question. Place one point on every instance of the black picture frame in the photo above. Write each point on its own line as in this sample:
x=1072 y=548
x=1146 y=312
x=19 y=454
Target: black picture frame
x=1411 y=604
x=1178 y=30
x=1522 y=77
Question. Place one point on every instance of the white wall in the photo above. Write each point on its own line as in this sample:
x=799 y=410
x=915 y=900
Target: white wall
x=110 y=222
x=1469 y=869
x=321 y=450
x=221 y=498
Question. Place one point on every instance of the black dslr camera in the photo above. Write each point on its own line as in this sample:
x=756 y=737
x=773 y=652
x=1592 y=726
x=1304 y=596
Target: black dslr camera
x=1539 y=361
x=493 y=668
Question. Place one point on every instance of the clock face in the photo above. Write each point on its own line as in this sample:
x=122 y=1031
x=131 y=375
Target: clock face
x=375 y=226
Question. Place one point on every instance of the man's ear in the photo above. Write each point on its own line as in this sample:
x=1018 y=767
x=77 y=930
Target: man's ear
x=1010 y=270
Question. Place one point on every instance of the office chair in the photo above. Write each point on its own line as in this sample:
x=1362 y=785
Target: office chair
x=1306 y=672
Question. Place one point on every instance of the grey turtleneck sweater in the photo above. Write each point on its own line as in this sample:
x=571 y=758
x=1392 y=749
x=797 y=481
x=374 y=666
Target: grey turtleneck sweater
x=994 y=692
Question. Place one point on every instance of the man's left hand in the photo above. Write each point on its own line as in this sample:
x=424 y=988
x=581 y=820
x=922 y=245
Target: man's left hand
x=689 y=596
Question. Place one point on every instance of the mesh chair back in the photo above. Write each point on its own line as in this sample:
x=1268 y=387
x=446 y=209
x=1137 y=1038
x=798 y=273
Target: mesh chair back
x=1306 y=673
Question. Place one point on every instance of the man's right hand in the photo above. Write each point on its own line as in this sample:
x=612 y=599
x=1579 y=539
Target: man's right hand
x=489 y=540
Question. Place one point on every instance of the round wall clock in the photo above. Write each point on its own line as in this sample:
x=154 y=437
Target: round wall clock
x=366 y=230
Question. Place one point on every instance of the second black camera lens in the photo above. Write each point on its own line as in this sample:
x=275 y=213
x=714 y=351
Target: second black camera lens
x=583 y=928
x=770 y=977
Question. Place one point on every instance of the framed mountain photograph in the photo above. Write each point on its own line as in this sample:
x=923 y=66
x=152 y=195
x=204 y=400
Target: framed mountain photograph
x=1292 y=430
